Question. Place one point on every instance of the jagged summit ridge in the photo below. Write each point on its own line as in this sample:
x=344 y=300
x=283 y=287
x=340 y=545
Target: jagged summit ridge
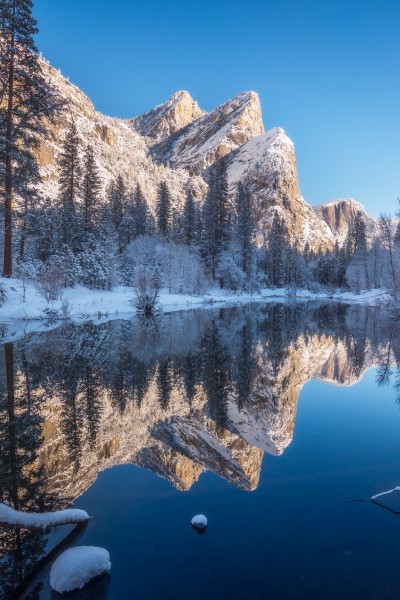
x=169 y=118
x=177 y=142
x=218 y=133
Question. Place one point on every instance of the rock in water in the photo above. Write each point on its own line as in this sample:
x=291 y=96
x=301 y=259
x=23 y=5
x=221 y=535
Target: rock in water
x=77 y=566
x=199 y=521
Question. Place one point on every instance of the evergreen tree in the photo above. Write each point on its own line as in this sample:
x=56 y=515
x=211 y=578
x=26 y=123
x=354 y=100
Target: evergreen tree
x=69 y=184
x=245 y=230
x=91 y=188
x=117 y=199
x=216 y=219
x=190 y=220
x=141 y=215
x=26 y=98
x=164 y=210
x=277 y=251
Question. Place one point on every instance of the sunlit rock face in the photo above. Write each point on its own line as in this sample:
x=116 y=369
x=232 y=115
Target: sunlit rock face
x=168 y=119
x=340 y=214
x=267 y=166
x=202 y=391
x=179 y=143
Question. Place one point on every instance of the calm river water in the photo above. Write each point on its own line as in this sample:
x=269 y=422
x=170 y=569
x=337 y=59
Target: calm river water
x=268 y=419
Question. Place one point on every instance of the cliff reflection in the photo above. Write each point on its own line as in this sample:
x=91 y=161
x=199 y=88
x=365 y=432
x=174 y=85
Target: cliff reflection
x=191 y=391
x=195 y=391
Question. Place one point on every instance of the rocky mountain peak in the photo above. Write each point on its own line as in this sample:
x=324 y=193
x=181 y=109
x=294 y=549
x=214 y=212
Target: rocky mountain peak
x=167 y=119
x=177 y=142
x=217 y=133
x=339 y=215
x=266 y=164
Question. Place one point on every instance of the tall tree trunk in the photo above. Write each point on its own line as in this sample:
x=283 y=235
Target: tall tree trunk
x=23 y=233
x=7 y=266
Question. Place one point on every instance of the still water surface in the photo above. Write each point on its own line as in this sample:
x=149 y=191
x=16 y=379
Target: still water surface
x=267 y=419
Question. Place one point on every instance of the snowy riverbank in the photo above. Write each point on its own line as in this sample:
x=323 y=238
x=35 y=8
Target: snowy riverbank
x=82 y=303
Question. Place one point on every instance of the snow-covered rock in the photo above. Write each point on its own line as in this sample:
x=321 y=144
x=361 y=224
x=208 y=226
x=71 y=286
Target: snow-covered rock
x=168 y=119
x=75 y=567
x=266 y=164
x=200 y=522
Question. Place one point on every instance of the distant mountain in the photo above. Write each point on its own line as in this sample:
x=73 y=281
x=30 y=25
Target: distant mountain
x=178 y=142
x=340 y=214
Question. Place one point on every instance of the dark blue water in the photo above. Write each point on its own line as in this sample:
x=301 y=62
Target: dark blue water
x=296 y=535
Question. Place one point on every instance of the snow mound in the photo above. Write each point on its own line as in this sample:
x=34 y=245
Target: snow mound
x=199 y=521
x=9 y=516
x=77 y=566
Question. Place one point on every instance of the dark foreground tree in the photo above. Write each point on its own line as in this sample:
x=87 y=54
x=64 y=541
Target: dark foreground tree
x=26 y=98
x=91 y=188
x=164 y=210
x=69 y=183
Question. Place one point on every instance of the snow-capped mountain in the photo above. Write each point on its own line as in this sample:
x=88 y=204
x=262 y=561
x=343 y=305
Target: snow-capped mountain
x=177 y=142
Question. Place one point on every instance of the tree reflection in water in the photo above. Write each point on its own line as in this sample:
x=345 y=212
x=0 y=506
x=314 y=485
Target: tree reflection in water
x=180 y=394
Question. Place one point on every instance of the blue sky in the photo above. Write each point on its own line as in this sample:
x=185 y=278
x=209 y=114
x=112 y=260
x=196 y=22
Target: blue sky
x=326 y=71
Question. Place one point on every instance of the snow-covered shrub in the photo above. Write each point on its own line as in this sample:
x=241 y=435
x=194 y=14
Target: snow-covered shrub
x=178 y=267
x=26 y=272
x=65 y=309
x=49 y=281
x=69 y=263
x=182 y=269
x=146 y=290
x=143 y=271
x=230 y=274
x=237 y=272
x=97 y=266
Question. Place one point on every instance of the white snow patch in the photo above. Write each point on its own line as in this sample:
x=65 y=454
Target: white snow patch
x=199 y=521
x=77 y=566
x=9 y=516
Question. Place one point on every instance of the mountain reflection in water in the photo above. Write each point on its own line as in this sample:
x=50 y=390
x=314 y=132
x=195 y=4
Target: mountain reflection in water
x=188 y=392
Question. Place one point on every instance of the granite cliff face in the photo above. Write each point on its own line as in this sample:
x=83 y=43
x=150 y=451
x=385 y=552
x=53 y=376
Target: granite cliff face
x=340 y=214
x=177 y=142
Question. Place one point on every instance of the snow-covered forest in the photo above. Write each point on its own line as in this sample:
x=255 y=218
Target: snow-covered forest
x=99 y=242
x=203 y=209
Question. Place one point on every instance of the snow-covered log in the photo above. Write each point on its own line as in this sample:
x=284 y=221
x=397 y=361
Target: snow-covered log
x=9 y=516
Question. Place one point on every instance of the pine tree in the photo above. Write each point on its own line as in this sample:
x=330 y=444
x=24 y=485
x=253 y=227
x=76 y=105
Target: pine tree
x=69 y=183
x=245 y=229
x=140 y=213
x=91 y=188
x=26 y=98
x=277 y=247
x=190 y=220
x=164 y=210
x=117 y=199
x=216 y=219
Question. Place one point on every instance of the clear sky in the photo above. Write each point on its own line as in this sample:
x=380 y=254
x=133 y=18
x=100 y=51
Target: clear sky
x=327 y=71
